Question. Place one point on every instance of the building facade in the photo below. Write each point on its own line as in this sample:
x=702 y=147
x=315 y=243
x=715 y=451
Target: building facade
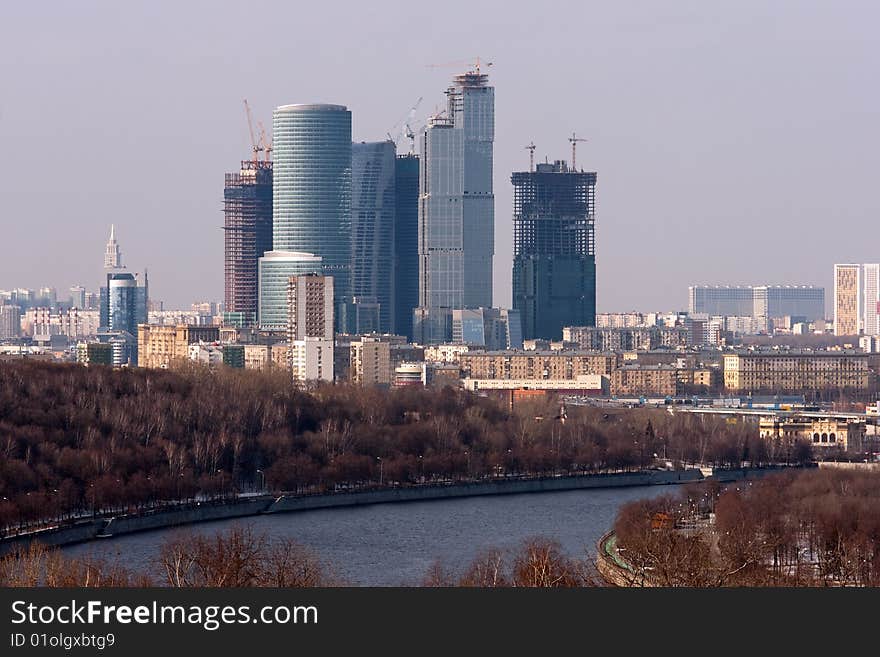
x=124 y=303
x=457 y=205
x=847 y=285
x=559 y=365
x=311 y=190
x=554 y=259
x=795 y=372
x=310 y=307
x=371 y=361
x=406 y=242
x=311 y=359
x=871 y=301
x=247 y=226
x=274 y=270
x=10 y=322
x=160 y=346
x=654 y=380
x=373 y=203
x=761 y=301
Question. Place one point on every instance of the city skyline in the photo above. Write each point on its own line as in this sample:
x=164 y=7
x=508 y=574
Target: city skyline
x=667 y=151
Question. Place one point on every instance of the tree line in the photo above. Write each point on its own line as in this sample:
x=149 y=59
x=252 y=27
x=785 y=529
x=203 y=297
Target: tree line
x=80 y=441
x=810 y=528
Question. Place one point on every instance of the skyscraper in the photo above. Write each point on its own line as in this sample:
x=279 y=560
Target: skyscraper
x=247 y=208
x=456 y=206
x=847 y=284
x=372 y=227
x=123 y=303
x=311 y=195
x=406 y=243
x=112 y=252
x=554 y=258
x=871 y=303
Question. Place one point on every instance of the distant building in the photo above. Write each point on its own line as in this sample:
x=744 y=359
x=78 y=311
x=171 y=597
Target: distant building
x=554 y=259
x=274 y=271
x=112 y=252
x=762 y=301
x=410 y=374
x=555 y=365
x=492 y=328
x=371 y=361
x=78 y=297
x=406 y=243
x=824 y=432
x=373 y=202
x=10 y=322
x=160 y=346
x=847 y=285
x=635 y=379
x=247 y=236
x=795 y=372
x=206 y=354
x=123 y=308
x=871 y=302
x=311 y=359
x=310 y=307
x=586 y=385
x=591 y=338
x=311 y=194
x=456 y=207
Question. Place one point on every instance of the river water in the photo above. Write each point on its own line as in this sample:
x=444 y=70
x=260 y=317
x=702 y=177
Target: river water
x=396 y=544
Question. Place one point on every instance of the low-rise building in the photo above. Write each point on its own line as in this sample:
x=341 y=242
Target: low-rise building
x=822 y=433
x=587 y=384
x=159 y=346
x=535 y=364
x=796 y=371
x=311 y=359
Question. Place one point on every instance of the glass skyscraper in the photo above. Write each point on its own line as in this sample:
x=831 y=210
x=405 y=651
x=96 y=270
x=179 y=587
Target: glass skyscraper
x=274 y=271
x=123 y=303
x=406 y=243
x=372 y=222
x=311 y=194
x=457 y=204
x=554 y=258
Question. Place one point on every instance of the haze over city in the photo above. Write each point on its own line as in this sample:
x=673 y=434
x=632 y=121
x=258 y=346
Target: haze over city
x=718 y=132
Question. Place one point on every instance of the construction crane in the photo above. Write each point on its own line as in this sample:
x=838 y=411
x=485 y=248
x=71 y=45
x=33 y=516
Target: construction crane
x=574 y=139
x=531 y=149
x=476 y=63
x=254 y=145
x=406 y=130
x=265 y=143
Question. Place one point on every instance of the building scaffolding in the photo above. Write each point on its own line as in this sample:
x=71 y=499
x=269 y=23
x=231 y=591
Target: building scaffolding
x=247 y=206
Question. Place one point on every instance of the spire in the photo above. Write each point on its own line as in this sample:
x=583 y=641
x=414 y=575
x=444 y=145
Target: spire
x=112 y=254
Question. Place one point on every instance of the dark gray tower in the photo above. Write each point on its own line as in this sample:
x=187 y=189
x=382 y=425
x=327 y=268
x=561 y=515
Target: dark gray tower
x=406 y=243
x=554 y=259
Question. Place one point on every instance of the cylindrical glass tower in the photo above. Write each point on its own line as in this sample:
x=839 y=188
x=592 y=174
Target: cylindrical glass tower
x=311 y=198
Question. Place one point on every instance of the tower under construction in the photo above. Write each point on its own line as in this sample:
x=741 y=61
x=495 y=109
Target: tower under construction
x=554 y=260
x=247 y=204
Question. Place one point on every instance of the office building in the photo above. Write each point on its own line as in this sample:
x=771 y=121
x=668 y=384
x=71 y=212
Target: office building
x=492 y=328
x=554 y=259
x=247 y=236
x=274 y=270
x=456 y=207
x=373 y=199
x=123 y=303
x=78 y=297
x=10 y=322
x=311 y=192
x=871 y=301
x=762 y=301
x=795 y=372
x=406 y=243
x=310 y=307
x=847 y=306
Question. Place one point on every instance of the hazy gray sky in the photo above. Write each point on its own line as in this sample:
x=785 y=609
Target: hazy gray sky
x=736 y=142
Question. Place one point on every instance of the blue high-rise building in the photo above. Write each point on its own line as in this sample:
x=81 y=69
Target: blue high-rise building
x=372 y=222
x=124 y=305
x=311 y=194
x=406 y=243
x=456 y=207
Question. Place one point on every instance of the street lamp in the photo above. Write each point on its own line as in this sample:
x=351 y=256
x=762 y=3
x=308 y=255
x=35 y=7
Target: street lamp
x=262 y=480
x=379 y=458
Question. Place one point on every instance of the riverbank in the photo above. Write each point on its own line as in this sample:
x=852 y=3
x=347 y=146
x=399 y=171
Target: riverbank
x=91 y=529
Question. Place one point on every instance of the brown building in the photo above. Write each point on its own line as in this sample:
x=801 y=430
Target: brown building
x=158 y=345
x=536 y=364
x=654 y=380
x=796 y=371
x=371 y=361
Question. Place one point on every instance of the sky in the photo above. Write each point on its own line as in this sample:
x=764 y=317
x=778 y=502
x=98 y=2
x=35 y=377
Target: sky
x=735 y=142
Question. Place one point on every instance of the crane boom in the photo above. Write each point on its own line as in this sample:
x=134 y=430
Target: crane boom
x=254 y=145
x=574 y=139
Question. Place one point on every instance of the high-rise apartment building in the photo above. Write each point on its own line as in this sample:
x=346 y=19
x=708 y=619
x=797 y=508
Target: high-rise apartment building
x=764 y=301
x=310 y=307
x=406 y=243
x=847 y=286
x=373 y=198
x=456 y=206
x=554 y=258
x=871 y=301
x=247 y=209
x=311 y=194
x=274 y=270
x=10 y=322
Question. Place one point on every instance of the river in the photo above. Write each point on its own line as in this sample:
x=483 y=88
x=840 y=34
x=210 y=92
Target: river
x=396 y=544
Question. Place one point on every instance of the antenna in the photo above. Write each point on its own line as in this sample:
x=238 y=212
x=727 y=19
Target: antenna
x=531 y=149
x=574 y=139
